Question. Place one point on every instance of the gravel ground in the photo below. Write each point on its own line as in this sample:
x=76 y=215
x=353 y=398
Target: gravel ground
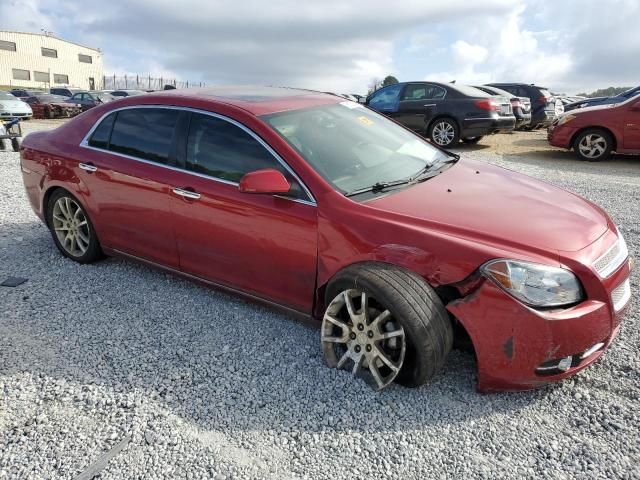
x=203 y=385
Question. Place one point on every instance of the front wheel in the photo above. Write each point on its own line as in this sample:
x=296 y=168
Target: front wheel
x=472 y=140
x=593 y=145
x=385 y=324
x=71 y=228
x=444 y=132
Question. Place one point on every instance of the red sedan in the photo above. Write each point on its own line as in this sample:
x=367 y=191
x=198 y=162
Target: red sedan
x=594 y=132
x=325 y=208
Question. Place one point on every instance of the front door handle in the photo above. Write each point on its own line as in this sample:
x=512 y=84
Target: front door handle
x=186 y=193
x=89 y=167
x=430 y=105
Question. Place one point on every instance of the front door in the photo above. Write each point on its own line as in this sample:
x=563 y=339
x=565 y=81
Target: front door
x=124 y=166
x=265 y=245
x=632 y=127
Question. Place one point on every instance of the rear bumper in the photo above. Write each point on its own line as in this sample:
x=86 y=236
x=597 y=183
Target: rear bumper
x=478 y=127
x=523 y=119
x=515 y=344
x=543 y=118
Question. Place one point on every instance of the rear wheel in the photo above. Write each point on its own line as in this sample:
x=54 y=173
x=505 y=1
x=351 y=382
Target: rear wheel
x=444 y=132
x=472 y=140
x=71 y=228
x=593 y=145
x=385 y=324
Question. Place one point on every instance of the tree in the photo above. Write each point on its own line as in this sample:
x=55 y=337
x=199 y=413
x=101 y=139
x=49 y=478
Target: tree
x=605 y=92
x=389 y=80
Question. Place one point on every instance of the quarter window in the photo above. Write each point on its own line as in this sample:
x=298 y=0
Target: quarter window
x=21 y=74
x=100 y=136
x=145 y=133
x=49 y=52
x=220 y=149
x=386 y=99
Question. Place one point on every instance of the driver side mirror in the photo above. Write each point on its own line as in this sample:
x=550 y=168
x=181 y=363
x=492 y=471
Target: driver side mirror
x=266 y=180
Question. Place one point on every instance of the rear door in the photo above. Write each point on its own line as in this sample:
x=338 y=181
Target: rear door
x=128 y=176
x=632 y=126
x=264 y=245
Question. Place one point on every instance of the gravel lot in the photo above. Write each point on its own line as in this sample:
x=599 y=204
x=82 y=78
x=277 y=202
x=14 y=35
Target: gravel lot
x=203 y=385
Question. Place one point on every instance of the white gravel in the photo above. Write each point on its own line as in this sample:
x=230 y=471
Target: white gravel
x=208 y=386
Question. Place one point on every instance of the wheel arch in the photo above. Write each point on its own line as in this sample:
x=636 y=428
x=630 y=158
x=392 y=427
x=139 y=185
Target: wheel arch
x=442 y=116
x=595 y=127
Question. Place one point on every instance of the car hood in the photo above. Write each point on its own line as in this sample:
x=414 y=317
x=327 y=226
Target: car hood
x=488 y=203
x=15 y=106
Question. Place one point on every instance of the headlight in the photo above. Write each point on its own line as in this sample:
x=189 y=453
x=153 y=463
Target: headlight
x=565 y=119
x=533 y=284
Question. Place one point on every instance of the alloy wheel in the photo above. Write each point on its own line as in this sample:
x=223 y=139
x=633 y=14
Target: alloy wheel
x=71 y=226
x=361 y=334
x=443 y=133
x=592 y=145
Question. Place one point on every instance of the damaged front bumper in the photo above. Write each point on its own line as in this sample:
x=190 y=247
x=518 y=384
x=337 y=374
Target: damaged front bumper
x=520 y=348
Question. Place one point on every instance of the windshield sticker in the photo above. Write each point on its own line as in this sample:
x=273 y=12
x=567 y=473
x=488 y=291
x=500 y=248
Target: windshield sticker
x=365 y=120
x=351 y=105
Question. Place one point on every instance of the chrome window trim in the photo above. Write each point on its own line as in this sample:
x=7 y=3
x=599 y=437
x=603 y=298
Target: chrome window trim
x=85 y=144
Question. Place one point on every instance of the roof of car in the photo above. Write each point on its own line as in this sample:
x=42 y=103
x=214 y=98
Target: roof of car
x=256 y=100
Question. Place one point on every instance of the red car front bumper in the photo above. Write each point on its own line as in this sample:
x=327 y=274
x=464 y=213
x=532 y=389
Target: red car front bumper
x=560 y=135
x=514 y=344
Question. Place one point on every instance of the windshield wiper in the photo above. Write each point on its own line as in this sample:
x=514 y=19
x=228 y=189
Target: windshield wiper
x=434 y=167
x=378 y=187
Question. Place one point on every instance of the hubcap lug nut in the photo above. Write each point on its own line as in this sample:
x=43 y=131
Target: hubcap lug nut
x=370 y=334
x=357 y=349
x=360 y=327
x=352 y=336
x=368 y=348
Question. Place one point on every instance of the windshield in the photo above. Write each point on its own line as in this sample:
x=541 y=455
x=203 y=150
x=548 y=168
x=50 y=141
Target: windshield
x=7 y=96
x=353 y=147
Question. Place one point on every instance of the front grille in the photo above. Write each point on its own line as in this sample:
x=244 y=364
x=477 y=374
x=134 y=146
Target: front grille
x=621 y=295
x=612 y=259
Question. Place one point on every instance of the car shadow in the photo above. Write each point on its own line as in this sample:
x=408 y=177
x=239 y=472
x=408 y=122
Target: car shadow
x=209 y=358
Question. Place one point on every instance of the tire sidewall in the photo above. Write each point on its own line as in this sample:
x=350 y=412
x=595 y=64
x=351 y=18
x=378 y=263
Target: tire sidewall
x=456 y=131
x=94 y=251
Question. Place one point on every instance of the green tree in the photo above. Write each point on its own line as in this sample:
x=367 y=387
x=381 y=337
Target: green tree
x=605 y=92
x=389 y=80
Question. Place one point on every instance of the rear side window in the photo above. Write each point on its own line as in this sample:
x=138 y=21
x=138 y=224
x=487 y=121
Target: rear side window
x=100 y=136
x=220 y=149
x=145 y=133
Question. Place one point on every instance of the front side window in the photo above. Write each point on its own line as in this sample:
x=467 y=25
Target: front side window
x=353 y=147
x=145 y=133
x=386 y=99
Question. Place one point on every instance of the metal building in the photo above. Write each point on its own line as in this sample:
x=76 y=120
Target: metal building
x=40 y=60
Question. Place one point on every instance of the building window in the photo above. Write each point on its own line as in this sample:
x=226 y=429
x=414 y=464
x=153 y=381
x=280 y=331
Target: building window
x=21 y=74
x=49 y=52
x=58 y=78
x=85 y=58
x=41 y=76
x=10 y=46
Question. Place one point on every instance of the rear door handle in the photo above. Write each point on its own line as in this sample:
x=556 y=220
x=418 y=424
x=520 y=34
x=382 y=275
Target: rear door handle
x=89 y=167
x=183 y=192
x=430 y=105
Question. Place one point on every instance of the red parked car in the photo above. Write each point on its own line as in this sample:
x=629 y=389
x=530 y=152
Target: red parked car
x=330 y=210
x=594 y=132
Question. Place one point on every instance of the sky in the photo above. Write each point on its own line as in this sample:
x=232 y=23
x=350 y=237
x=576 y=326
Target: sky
x=569 y=46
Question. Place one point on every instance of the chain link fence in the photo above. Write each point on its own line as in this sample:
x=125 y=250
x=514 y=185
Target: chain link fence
x=141 y=82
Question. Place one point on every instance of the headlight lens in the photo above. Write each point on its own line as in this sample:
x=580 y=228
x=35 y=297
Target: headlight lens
x=565 y=119
x=533 y=284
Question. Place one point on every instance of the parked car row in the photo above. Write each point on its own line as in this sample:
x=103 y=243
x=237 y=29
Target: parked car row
x=446 y=113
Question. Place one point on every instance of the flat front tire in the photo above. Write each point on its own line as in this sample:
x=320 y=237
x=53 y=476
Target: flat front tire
x=385 y=324
x=71 y=228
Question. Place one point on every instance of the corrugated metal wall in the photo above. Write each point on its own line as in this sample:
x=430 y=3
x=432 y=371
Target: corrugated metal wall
x=28 y=57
